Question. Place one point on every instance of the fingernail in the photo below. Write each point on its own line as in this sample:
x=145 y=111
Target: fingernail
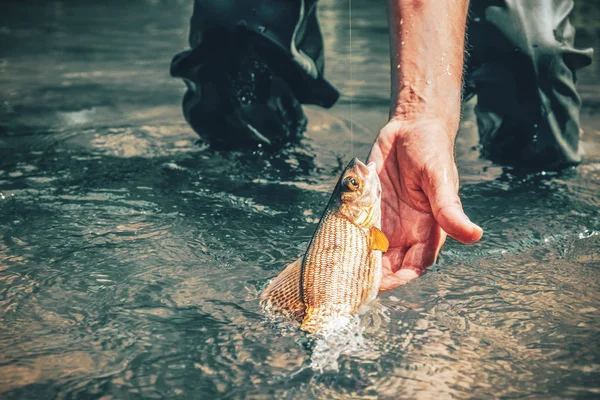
x=477 y=231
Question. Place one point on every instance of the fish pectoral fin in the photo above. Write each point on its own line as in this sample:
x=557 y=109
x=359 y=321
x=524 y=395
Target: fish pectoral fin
x=378 y=240
x=284 y=294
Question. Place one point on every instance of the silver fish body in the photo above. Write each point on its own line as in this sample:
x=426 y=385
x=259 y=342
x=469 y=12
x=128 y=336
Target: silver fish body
x=340 y=271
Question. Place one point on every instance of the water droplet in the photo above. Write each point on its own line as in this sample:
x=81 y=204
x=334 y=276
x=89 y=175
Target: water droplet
x=477 y=19
x=429 y=81
x=401 y=21
x=243 y=99
x=398 y=66
x=535 y=125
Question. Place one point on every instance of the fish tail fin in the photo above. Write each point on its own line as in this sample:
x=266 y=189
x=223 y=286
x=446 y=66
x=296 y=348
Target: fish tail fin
x=284 y=294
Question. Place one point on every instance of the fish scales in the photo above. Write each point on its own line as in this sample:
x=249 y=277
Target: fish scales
x=338 y=255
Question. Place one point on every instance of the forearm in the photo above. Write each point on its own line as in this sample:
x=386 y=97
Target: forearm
x=427 y=51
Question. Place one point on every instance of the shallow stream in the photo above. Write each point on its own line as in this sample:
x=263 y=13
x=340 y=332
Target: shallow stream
x=131 y=256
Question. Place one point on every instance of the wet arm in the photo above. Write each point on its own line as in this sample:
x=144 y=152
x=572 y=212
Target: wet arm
x=427 y=48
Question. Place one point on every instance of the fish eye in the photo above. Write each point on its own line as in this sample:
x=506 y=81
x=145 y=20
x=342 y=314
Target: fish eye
x=351 y=183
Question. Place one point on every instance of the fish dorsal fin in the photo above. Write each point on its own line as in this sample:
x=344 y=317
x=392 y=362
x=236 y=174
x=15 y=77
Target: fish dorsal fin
x=378 y=240
x=284 y=293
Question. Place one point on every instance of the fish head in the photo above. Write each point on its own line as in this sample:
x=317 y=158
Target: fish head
x=359 y=194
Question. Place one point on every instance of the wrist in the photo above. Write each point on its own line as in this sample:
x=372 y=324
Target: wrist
x=407 y=120
x=416 y=138
x=418 y=102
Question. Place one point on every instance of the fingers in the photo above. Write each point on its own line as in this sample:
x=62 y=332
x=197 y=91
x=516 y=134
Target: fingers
x=391 y=281
x=400 y=266
x=392 y=259
x=391 y=263
x=446 y=207
x=412 y=264
x=455 y=222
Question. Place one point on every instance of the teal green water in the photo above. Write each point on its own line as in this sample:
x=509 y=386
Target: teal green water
x=130 y=256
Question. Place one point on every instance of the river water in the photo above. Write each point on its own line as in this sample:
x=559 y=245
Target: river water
x=131 y=256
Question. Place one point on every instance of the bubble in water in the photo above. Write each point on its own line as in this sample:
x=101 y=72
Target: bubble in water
x=329 y=347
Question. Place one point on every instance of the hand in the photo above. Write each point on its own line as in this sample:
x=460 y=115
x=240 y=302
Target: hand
x=420 y=203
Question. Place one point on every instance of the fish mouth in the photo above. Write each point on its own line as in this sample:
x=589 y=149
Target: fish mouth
x=368 y=172
x=360 y=166
x=374 y=178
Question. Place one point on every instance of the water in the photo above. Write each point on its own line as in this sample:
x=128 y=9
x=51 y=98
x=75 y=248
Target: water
x=131 y=256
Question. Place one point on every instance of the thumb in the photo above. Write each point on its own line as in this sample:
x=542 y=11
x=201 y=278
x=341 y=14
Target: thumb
x=447 y=208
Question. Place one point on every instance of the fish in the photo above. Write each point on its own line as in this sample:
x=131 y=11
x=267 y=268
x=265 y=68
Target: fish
x=340 y=271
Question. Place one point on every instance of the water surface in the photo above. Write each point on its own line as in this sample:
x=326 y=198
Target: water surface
x=131 y=255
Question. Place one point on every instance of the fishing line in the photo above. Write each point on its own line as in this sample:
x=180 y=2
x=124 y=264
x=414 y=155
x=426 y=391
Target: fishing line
x=351 y=78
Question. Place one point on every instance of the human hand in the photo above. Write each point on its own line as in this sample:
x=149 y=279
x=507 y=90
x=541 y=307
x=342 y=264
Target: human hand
x=420 y=203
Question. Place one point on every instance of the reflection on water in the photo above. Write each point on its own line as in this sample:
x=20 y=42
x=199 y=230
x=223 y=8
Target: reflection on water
x=131 y=257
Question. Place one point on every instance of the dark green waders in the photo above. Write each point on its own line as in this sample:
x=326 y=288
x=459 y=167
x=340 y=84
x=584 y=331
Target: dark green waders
x=522 y=66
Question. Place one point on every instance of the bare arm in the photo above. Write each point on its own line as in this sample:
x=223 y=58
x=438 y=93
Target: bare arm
x=427 y=47
x=414 y=152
